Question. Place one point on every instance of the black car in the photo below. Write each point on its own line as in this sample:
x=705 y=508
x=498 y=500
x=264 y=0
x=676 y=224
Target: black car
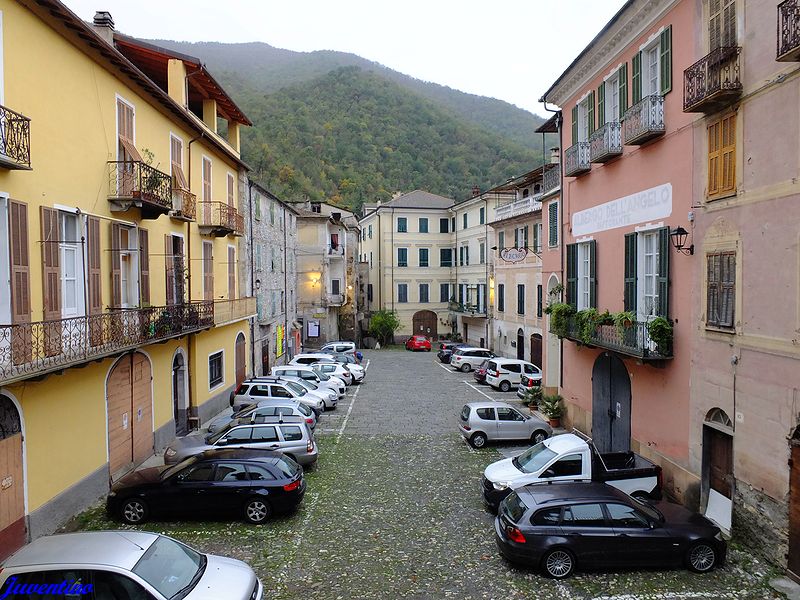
x=562 y=526
x=446 y=350
x=229 y=481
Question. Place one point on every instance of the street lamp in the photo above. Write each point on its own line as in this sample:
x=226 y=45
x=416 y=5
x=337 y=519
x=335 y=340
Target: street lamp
x=679 y=236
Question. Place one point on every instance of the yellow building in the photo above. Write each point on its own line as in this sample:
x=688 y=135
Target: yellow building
x=120 y=225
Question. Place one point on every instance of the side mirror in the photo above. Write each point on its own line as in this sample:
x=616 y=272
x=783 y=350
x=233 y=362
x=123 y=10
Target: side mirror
x=222 y=442
x=653 y=525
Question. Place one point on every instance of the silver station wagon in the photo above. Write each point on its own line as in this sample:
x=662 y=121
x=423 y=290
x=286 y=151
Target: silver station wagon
x=482 y=421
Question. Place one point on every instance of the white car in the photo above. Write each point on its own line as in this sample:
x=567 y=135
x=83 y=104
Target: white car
x=310 y=358
x=252 y=391
x=321 y=379
x=335 y=369
x=329 y=396
x=125 y=564
x=340 y=348
x=505 y=373
x=466 y=359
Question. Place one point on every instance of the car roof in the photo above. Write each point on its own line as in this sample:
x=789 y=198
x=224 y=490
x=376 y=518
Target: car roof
x=311 y=355
x=511 y=360
x=563 y=491
x=114 y=548
x=473 y=348
x=253 y=454
x=490 y=404
x=270 y=420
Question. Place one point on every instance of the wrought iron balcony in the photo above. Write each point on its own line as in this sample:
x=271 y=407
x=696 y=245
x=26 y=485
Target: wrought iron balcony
x=230 y=311
x=789 y=31
x=220 y=219
x=238 y=223
x=518 y=208
x=576 y=159
x=644 y=121
x=631 y=340
x=34 y=349
x=713 y=82
x=605 y=143
x=134 y=183
x=15 y=140
x=551 y=179
x=471 y=309
x=184 y=205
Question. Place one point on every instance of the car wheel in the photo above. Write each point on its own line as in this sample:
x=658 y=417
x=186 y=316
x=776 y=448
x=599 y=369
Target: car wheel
x=538 y=436
x=465 y=368
x=257 y=510
x=558 y=563
x=134 y=511
x=478 y=440
x=701 y=557
x=505 y=386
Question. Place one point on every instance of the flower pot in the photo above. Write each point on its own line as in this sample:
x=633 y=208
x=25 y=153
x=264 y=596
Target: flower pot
x=555 y=422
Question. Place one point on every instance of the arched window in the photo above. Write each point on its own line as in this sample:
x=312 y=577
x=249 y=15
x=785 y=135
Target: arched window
x=719 y=418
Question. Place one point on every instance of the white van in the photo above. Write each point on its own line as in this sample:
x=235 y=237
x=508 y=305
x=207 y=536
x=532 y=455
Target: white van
x=505 y=373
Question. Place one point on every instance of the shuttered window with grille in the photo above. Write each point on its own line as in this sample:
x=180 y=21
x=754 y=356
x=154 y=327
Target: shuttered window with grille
x=552 y=213
x=721 y=289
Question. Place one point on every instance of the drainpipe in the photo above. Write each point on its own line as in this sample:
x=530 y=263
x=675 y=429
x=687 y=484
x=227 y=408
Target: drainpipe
x=252 y=275
x=393 y=256
x=486 y=264
x=285 y=285
x=190 y=404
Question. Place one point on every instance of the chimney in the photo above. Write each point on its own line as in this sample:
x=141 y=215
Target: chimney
x=554 y=156
x=104 y=26
x=476 y=191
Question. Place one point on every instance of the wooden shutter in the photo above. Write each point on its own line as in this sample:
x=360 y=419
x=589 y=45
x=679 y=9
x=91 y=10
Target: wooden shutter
x=666 y=60
x=574 y=124
x=601 y=105
x=662 y=279
x=590 y=112
x=231 y=199
x=516 y=237
x=231 y=273
x=552 y=216
x=727 y=288
x=636 y=77
x=525 y=236
x=593 y=273
x=51 y=280
x=144 y=266
x=623 y=90
x=20 y=281
x=116 y=276
x=727 y=154
x=728 y=25
x=539 y=300
x=93 y=256
x=169 y=269
x=125 y=131
x=630 y=272
x=714 y=156
x=714 y=24
x=208 y=272
x=712 y=289
x=206 y=180
x=572 y=274
x=536 y=241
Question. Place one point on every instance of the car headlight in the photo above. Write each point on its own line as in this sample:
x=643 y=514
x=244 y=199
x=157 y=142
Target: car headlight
x=170 y=452
x=501 y=485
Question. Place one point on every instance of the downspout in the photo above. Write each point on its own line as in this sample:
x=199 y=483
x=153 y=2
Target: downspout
x=190 y=405
x=252 y=276
x=393 y=256
x=486 y=264
x=285 y=284
x=381 y=279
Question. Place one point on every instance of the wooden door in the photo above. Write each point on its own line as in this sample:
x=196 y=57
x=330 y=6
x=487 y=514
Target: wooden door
x=13 y=533
x=179 y=396
x=794 y=510
x=611 y=404
x=720 y=465
x=520 y=344
x=130 y=414
x=424 y=322
x=536 y=349
x=241 y=362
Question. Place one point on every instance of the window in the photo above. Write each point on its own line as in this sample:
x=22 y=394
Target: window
x=651 y=69
x=482 y=253
x=402 y=292
x=520 y=299
x=539 y=301
x=215 y=372
x=363 y=235
x=463 y=256
x=369 y=231
x=552 y=214
x=423 y=257
x=271 y=212
x=626 y=517
x=258 y=473
x=197 y=473
x=584 y=276
x=369 y=292
x=501 y=297
x=206 y=189
x=721 y=24
x=402 y=225
x=465 y=218
x=482 y=217
x=424 y=293
x=445 y=257
x=452 y=224
x=537 y=237
x=548 y=517
x=650 y=79
x=568 y=466
x=444 y=292
x=487 y=414
x=721 y=289
x=722 y=157
x=291 y=433
x=370 y=259
x=501 y=240
x=402 y=257
x=610 y=97
x=521 y=237
x=231 y=472
x=508 y=414
x=647 y=273
x=336 y=286
x=423 y=225
x=264 y=434
x=585 y=114
x=583 y=515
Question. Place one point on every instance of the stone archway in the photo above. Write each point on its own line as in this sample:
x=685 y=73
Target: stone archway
x=424 y=322
x=13 y=533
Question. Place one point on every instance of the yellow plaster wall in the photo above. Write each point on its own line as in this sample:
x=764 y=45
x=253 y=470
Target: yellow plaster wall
x=210 y=342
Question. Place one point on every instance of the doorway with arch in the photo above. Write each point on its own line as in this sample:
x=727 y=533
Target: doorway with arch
x=13 y=533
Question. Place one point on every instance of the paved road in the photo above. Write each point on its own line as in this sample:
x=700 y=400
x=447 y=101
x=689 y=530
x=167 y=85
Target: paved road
x=393 y=510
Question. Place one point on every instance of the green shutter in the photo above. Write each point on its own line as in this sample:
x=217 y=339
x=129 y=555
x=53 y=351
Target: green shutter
x=636 y=78
x=601 y=105
x=572 y=274
x=662 y=281
x=666 y=60
x=536 y=247
x=593 y=274
x=516 y=237
x=574 y=124
x=590 y=112
x=630 y=272
x=623 y=90
x=525 y=236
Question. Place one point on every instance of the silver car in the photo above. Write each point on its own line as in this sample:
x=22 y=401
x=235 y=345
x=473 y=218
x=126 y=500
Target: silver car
x=321 y=379
x=125 y=564
x=482 y=421
x=252 y=391
x=329 y=396
x=466 y=359
x=266 y=408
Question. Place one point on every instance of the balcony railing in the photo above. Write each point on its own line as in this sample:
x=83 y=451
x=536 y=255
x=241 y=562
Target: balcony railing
x=712 y=82
x=551 y=180
x=605 y=143
x=229 y=311
x=137 y=183
x=238 y=223
x=220 y=219
x=644 y=121
x=33 y=349
x=632 y=340
x=467 y=308
x=518 y=207
x=15 y=140
x=789 y=31
x=184 y=205
x=576 y=159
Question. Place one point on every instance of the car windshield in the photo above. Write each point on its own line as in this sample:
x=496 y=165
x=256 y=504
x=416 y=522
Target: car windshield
x=534 y=458
x=304 y=410
x=287 y=466
x=170 y=567
x=170 y=471
x=651 y=511
x=322 y=376
x=296 y=388
x=245 y=411
x=513 y=507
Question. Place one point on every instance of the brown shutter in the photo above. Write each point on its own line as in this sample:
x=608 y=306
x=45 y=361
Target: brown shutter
x=713 y=158
x=206 y=180
x=51 y=280
x=116 y=277
x=727 y=158
x=714 y=24
x=20 y=281
x=728 y=25
x=727 y=289
x=231 y=273
x=208 y=272
x=95 y=280
x=169 y=269
x=144 y=266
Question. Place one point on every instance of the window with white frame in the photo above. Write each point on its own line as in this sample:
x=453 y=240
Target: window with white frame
x=402 y=292
x=583 y=119
x=216 y=372
x=651 y=70
x=647 y=302
x=584 y=276
x=612 y=99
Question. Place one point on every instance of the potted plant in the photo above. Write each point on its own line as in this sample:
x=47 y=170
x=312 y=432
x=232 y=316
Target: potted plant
x=552 y=406
x=533 y=397
x=560 y=314
x=587 y=320
x=660 y=331
x=623 y=320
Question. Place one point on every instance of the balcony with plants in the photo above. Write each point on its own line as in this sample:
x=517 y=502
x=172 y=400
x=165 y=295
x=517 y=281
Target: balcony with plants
x=576 y=160
x=606 y=142
x=136 y=183
x=713 y=82
x=15 y=140
x=644 y=121
x=788 y=31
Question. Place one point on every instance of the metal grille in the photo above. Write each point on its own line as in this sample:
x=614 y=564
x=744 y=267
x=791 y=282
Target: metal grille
x=714 y=75
x=15 y=137
x=644 y=120
x=576 y=159
x=606 y=142
x=631 y=340
x=788 y=28
x=139 y=181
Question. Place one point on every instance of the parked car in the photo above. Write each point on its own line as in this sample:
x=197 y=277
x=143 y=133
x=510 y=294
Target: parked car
x=341 y=347
x=352 y=365
x=528 y=382
x=252 y=391
x=569 y=457
x=267 y=408
x=480 y=372
x=250 y=483
x=505 y=373
x=334 y=369
x=308 y=373
x=127 y=565
x=309 y=358
x=418 y=342
x=565 y=526
x=466 y=359
x=329 y=396
x=290 y=435
x=489 y=420
x=446 y=350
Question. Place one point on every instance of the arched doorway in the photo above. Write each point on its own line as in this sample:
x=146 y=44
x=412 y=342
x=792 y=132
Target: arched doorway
x=718 y=481
x=536 y=349
x=179 y=403
x=240 y=359
x=520 y=344
x=552 y=366
x=424 y=322
x=611 y=404
x=13 y=533
x=129 y=397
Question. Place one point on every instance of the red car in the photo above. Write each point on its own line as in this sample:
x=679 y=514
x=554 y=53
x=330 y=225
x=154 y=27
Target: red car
x=418 y=342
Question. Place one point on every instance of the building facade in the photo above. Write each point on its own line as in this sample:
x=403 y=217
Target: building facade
x=126 y=323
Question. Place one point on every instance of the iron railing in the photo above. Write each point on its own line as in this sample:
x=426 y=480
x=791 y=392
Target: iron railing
x=135 y=180
x=15 y=139
x=237 y=222
x=517 y=208
x=32 y=349
x=464 y=307
x=576 y=159
x=551 y=180
x=219 y=216
x=630 y=340
x=237 y=309
x=605 y=143
x=644 y=120
x=335 y=299
x=184 y=204
x=713 y=81
x=789 y=30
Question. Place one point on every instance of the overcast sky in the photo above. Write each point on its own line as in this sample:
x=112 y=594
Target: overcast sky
x=507 y=49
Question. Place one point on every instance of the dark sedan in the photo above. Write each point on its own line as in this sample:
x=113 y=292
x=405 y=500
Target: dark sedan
x=564 y=526
x=446 y=350
x=229 y=481
x=480 y=372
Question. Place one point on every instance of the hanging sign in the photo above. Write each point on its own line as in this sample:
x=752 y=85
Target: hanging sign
x=513 y=255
